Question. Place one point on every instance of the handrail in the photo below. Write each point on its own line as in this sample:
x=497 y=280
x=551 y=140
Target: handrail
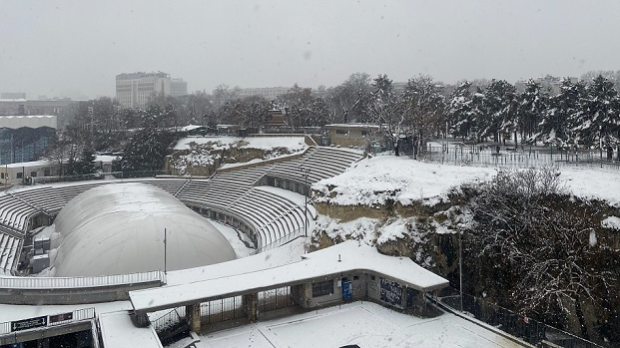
x=80 y=282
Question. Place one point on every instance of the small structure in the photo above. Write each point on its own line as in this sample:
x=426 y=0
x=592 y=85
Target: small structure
x=361 y=135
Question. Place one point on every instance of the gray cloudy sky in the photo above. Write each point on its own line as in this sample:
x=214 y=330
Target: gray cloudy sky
x=76 y=48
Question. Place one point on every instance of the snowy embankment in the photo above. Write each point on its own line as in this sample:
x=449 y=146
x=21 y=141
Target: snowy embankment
x=196 y=152
x=376 y=181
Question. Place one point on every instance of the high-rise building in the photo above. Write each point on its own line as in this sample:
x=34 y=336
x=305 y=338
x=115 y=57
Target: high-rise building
x=134 y=90
x=178 y=88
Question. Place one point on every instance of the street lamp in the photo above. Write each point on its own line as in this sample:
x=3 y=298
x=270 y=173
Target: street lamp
x=305 y=172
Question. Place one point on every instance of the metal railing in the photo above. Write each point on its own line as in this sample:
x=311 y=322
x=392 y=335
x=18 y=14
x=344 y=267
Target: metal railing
x=79 y=282
x=517 y=158
x=527 y=329
x=168 y=320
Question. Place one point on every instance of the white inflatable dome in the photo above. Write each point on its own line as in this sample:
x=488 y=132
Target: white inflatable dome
x=119 y=229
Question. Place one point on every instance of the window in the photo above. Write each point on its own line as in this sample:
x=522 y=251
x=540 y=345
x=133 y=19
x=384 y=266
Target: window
x=342 y=132
x=364 y=133
x=46 y=172
x=1 y=175
x=323 y=288
x=33 y=174
x=20 y=175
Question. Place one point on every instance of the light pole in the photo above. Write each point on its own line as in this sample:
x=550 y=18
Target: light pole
x=165 y=252
x=461 y=268
x=305 y=172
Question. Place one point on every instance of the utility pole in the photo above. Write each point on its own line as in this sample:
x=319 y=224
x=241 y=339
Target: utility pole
x=461 y=268
x=165 y=252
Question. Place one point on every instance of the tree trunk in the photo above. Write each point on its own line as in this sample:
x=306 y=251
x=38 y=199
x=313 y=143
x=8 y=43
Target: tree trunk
x=582 y=320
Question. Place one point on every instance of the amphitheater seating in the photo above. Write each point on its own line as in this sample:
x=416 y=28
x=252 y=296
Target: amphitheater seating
x=9 y=251
x=47 y=199
x=322 y=163
x=272 y=216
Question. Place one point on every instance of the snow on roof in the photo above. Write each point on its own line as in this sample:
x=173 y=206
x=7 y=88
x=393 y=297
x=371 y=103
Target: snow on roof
x=373 y=181
x=344 y=257
x=295 y=144
x=119 y=229
x=117 y=330
x=365 y=324
x=40 y=163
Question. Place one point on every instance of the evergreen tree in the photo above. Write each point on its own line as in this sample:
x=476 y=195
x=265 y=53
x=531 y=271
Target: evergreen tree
x=86 y=163
x=562 y=115
x=600 y=126
x=460 y=113
x=532 y=105
x=497 y=115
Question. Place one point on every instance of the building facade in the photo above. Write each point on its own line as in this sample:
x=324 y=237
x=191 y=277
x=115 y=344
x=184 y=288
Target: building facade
x=178 y=87
x=24 y=138
x=270 y=93
x=134 y=90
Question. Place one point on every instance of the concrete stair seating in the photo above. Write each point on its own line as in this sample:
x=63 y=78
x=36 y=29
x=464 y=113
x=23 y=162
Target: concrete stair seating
x=6 y=207
x=70 y=192
x=260 y=218
x=46 y=198
x=242 y=176
x=8 y=249
x=171 y=186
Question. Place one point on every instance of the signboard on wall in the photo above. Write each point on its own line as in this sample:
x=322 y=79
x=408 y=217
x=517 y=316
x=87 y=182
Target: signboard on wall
x=391 y=292
x=61 y=317
x=30 y=323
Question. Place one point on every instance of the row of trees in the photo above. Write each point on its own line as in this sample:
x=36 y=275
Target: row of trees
x=579 y=116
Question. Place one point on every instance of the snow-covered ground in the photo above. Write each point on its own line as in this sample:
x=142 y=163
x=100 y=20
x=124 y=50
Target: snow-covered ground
x=365 y=324
x=375 y=180
x=295 y=144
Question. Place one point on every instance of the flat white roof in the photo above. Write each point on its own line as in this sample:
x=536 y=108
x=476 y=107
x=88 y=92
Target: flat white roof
x=117 y=330
x=344 y=257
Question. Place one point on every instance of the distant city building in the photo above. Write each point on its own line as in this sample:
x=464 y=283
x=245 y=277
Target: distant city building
x=134 y=90
x=12 y=95
x=178 y=88
x=35 y=107
x=553 y=84
x=270 y=93
x=23 y=138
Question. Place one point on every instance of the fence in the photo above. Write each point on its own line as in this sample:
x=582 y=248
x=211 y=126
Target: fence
x=517 y=158
x=80 y=282
x=530 y=330
x=222 y=310
x=273 y=299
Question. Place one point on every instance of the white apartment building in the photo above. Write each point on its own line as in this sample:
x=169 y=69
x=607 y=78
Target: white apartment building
x=134 y=90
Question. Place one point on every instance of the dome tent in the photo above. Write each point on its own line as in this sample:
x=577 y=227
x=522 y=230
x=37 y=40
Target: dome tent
x=119 y=229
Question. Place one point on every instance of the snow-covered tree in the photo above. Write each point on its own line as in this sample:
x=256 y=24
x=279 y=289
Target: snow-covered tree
x=348 y=102
x=423 y=105
x=386 y=110
x=497 y=112
x=303 y=109
x=600 y=122
x=460 y=113
x=532 y=106
x=562 y=115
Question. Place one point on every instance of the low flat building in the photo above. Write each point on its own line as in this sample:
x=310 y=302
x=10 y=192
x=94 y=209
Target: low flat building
x=360 y=135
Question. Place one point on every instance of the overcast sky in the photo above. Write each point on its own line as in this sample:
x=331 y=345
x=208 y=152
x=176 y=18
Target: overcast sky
x=76 y=48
